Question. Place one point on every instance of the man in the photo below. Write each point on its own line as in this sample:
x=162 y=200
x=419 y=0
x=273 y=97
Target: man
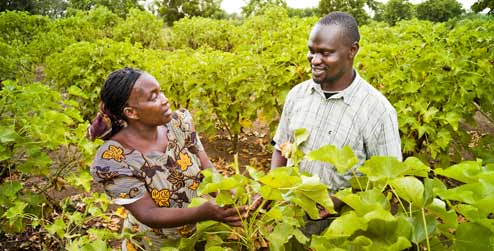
x=337 y=106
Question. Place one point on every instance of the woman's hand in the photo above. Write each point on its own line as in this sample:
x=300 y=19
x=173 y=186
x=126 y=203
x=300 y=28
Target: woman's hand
x=228 y=215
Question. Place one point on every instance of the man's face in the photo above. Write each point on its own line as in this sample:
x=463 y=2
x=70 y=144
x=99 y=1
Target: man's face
x=330 y=54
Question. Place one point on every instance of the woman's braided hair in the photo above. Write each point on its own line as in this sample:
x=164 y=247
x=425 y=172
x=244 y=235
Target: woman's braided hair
x=114 y=96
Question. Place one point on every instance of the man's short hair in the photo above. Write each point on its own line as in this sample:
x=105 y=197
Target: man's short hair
x=345 y=21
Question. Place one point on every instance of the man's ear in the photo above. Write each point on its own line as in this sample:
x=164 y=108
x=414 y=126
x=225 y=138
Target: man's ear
x=130 y=113
x=354 y=50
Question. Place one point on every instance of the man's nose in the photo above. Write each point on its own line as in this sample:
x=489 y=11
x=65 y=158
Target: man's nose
x=315 y=59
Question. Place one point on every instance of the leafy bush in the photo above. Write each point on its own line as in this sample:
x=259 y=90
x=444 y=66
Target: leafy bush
x=35 y=124
x=142 y=27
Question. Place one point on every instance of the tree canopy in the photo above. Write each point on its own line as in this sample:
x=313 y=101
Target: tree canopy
x=354 y=7
x=396 y=10
x=173 y=10
x=439 y=10
x=481 y=5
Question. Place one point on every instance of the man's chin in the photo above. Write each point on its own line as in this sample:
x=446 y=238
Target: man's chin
x=318 y=80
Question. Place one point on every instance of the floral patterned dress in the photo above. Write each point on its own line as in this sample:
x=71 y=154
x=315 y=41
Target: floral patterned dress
x=171 y=178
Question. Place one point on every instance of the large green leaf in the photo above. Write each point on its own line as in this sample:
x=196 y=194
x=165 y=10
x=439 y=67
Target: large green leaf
x=473 y=236
x=419 y=231
x=415 y=167
x=281 y=178
x=380 y=168
x=363 y=202
x=345 y=226
x=467 y=171
x=410 y=189
x=343 y=159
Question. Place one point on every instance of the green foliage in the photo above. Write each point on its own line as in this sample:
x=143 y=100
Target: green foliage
x=439 y=10
x=396 y=10
x=142 y=27
x=51 y=8
x=119 y=7
x=408 y=74
x=352 y=7
x=257 y=7
x=36 y=125
x=20 y=26
x=86 y=65
x=197 y=32
x=172 y=11
x=481 y=5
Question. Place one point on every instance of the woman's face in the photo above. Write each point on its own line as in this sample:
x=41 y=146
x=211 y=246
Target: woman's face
x=149 y=103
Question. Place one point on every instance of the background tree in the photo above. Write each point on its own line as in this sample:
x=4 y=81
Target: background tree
x=481 y=5
x=378 y=12
x=51 y=8
x=254 y=7
x=439 y=10
x=174 y=10
x=20 y=5
x=354 y=7
x=396 y=10
x=119 y=7
x=305 y=12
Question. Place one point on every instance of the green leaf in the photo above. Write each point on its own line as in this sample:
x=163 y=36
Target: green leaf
x=8 y=191
x=15 y=212
x=305 y=202
x=473 y=236
x=363 y=202
x=410 y=189
x=345 y=226
x=270 y=193
x=419 y=233
x=343 y=159
x=76 y=91
x=467 y=171
x=453 y=119
x=83 y=179
x=7 y=134
x=281 y=178
x=301 y=135
x=382 y=168
x=280 y=235
x=58 y=227
x=415 y=167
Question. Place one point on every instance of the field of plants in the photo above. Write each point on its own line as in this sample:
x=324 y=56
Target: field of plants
x=233 y=76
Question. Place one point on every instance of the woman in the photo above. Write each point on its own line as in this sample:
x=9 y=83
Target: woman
x=150 y=161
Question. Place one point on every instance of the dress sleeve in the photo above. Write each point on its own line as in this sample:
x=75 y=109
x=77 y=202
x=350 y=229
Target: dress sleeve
x=186 y=125
x=111 y=169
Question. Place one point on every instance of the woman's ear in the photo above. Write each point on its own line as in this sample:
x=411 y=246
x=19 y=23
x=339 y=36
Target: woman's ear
x=130 y=112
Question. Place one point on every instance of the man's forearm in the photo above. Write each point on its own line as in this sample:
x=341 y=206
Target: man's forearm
x=277 y=159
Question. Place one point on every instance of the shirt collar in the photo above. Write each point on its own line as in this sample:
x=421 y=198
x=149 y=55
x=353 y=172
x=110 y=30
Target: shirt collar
x=346 y=94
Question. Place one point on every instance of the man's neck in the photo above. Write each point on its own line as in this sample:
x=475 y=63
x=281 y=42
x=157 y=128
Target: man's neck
x=339 y=84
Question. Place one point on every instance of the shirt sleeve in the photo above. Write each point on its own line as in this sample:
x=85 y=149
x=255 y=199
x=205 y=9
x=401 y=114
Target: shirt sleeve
x=120 y=182
x=282 y=134
x=384 y=138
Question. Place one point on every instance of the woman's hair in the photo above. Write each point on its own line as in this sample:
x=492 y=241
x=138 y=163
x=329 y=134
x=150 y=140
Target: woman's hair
x=114 y=96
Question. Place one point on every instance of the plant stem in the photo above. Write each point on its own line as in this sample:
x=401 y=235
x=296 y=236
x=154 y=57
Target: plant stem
x=399 y=200
x=425 y=230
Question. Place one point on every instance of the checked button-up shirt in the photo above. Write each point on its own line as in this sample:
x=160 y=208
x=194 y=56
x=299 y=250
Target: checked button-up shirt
x=359 y=116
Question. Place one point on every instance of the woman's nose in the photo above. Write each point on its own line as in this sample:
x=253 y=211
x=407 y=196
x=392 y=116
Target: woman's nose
x=164 y=99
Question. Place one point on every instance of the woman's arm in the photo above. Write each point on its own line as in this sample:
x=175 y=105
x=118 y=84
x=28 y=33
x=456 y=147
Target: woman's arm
x=205 y=162
x=146 y=211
